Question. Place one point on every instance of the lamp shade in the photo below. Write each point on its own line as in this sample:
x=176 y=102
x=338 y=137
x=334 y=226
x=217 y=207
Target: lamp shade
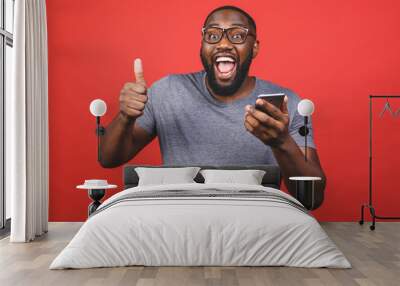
x=305 y=107
x=98 y=107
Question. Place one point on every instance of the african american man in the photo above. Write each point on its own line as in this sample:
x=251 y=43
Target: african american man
x=208 y=117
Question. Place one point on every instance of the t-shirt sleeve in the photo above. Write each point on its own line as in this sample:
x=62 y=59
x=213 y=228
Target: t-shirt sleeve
x=148 y=121
x=297 y=121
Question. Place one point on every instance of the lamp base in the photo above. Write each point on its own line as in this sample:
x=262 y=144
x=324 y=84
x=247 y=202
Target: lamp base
x=100 y=130
x=96 y=195
x=303 y=131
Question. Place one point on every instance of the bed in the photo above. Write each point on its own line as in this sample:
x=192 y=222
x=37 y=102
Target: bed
x=198 y=224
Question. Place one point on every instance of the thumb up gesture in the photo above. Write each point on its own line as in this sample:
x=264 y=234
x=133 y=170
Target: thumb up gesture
x=133 y=96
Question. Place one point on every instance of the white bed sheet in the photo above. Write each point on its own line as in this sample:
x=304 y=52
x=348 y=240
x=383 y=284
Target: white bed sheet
x=200 y=232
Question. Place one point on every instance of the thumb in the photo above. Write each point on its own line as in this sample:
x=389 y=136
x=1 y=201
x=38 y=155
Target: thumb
x=138 y=70
x=285 y=105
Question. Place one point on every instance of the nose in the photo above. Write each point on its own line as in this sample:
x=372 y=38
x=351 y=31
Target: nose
x=224 y=43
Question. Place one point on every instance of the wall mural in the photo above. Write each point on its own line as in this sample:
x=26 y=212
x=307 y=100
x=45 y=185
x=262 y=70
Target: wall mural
x=220 y=87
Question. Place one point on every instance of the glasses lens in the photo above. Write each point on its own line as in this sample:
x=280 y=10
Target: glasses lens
x=212 y=35
x=237 y=35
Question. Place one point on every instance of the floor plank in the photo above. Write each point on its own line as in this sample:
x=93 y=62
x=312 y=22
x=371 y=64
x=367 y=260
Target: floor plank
x=375 y=257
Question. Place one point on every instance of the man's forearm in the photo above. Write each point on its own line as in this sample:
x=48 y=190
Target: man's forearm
x=117 y=142
x=291 y=161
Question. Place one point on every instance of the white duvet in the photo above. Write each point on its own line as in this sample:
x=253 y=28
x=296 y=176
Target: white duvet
x=183 y=231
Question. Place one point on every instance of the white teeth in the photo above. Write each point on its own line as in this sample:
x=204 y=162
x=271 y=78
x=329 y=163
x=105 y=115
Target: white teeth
x=224 y=59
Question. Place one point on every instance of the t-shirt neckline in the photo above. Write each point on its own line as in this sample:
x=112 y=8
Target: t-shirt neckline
x=215 y=101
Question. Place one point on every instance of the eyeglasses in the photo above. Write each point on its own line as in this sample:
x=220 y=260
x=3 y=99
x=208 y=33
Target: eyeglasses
x=236 y=35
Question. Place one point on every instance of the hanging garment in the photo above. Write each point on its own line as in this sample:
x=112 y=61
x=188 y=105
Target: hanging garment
x=388 y=108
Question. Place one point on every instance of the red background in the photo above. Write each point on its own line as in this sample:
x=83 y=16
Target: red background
x=334 y=52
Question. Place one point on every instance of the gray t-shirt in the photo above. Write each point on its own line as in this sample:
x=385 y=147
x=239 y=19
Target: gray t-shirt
x=194 y=128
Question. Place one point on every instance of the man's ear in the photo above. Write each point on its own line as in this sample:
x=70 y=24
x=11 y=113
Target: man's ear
x=256 y=48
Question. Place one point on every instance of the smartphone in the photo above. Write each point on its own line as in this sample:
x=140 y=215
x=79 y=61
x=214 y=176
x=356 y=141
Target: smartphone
x=273 y=98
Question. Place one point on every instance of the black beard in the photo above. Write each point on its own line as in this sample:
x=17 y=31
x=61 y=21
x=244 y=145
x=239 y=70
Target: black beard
x=240 y=76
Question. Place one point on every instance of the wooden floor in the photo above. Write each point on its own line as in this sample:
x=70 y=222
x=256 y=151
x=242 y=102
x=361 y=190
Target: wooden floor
x=375 y=256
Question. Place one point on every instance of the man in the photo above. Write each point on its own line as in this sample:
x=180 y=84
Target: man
x=208 y=118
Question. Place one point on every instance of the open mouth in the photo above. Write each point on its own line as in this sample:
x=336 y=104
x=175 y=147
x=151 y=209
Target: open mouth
x=225 y=67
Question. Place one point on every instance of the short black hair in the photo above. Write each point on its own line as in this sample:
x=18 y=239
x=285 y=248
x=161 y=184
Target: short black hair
x=234 y=8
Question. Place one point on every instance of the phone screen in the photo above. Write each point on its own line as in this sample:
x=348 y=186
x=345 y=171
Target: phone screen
x=273 y=98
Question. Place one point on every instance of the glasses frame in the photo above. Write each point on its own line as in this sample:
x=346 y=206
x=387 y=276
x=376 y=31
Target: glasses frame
x=224 y=33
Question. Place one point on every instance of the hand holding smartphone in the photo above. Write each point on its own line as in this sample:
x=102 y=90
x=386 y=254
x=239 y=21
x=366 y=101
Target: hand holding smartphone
x=274 y=98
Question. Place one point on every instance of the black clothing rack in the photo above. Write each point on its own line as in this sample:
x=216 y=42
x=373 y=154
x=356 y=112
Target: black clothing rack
x=369 y=205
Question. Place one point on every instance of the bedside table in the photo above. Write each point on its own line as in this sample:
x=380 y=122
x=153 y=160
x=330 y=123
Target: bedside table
x=96 y=191
x=305 y=190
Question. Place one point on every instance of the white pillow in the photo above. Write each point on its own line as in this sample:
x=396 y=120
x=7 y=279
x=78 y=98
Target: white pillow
x=163 y=176
x=249 y=177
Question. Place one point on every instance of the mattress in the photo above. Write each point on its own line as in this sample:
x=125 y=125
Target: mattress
x=201 y=225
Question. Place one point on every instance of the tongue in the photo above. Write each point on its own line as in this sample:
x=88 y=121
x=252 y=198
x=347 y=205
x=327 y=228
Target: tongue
x=225 y=67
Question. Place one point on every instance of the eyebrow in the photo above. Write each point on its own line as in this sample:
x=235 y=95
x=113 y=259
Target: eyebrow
x=233 y=25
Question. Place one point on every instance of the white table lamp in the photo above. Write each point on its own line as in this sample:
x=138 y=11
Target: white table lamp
x=98 y=108
x=305 y=108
